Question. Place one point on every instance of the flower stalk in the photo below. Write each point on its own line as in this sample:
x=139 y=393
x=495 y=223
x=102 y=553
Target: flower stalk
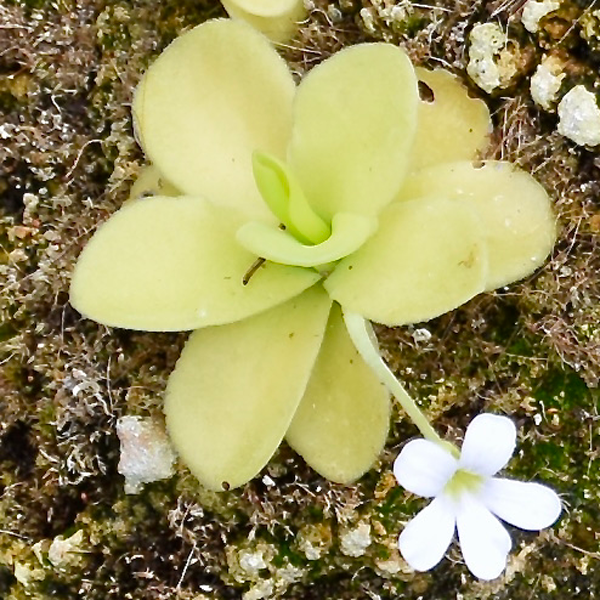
x=363 y=337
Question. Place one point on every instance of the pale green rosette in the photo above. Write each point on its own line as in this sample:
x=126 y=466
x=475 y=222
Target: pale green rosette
x=276 y=204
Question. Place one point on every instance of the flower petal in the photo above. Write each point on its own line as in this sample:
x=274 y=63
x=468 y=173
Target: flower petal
x=216 y=94
x=277 y=19
x=425 y=539
x=427 y=258
x=515 y=212
x=484 y=541
x=451 y=126
x=423 y=467
x=170 y=264
x=489 y=443
x=530 y=506
x=236 y=387
x=342 y=422
x=354 y=121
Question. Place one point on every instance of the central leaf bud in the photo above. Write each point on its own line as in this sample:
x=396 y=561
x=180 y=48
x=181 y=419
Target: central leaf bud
x=283 y=195
x=306 y=240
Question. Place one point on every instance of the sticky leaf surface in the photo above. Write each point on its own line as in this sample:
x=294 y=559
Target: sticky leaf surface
x=514 y=210
x=427 y=258
x=451 y=125
x=216 y=94
x=236 y=388
x=354 y=121
x=171 y=264
x=342 y=422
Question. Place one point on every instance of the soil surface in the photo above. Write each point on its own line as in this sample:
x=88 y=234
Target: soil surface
x=532 y=350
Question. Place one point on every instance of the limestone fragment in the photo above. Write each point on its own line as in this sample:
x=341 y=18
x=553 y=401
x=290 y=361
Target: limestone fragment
x=546 y=82
x=579 y=117
x=64 y=552
x=590 y=27
x=252 y=562
x=26 y=574
x=249 y=562
x=491 y=64
x=263 y=589
x=146 y=454
x=534 y=10
x=391 y=565
x=355 y=541
x=314 y=541
x=368 y=19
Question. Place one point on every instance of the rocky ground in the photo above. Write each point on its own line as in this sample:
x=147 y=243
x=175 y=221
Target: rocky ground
x=67 y=159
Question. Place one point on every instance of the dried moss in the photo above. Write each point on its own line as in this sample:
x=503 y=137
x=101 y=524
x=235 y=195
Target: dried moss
x=67 y=72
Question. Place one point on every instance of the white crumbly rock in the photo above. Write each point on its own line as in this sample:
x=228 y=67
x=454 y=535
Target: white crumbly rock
x=287 y=575
x=491 y=64
x=546 y=82
x=368 y=19
x=311 y=551
x=261 y=590
x=579 y=117
x=64 y=552
x=276 y=585
x=589 y=27
x=354 y=542
x=421 y=335
x=26 y=574
x=252 y=562
x=391 y=565
x=314 y=541
x=146 y=454
x=394 y=12
x=534 y=10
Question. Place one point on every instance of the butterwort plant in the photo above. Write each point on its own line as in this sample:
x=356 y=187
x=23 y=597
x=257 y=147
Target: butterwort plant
x=277 y=220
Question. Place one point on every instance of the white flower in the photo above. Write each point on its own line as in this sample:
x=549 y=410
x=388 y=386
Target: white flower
x=469 y=499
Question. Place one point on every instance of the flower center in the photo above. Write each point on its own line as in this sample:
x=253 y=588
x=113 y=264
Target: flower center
x=463 y=481
x=304 y=238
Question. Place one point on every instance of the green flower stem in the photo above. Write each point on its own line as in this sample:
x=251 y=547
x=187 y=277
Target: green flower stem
x=364 y=339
